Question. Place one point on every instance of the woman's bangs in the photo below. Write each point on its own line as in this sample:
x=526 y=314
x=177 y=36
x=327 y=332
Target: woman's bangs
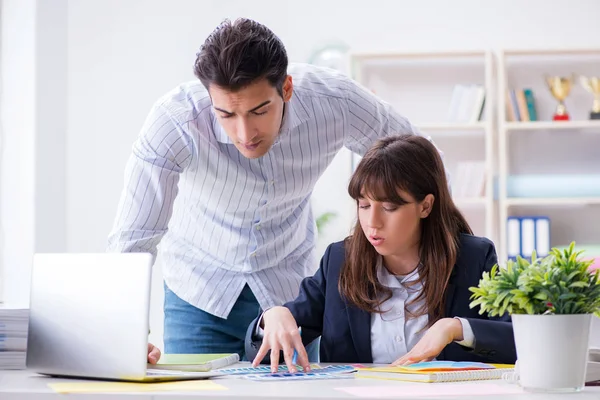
x=375 y=181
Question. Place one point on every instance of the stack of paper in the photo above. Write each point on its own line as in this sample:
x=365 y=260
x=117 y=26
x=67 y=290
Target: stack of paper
x=13 y=337
x=438 y=371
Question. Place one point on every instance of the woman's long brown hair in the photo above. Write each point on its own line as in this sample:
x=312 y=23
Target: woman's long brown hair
x=410 y=163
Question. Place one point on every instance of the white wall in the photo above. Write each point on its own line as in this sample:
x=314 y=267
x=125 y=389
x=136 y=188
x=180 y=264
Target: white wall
x=17 y=161
x=33 y=130
x=121 y=55
x=51 y=126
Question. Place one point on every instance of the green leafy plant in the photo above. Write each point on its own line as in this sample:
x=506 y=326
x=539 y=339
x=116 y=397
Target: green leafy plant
x=560 y=283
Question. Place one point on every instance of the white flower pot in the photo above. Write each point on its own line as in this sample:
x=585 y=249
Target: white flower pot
x=552 y=351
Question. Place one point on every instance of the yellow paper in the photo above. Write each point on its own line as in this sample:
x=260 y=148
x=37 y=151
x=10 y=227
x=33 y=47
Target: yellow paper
x=111 y=387
x=403 y=370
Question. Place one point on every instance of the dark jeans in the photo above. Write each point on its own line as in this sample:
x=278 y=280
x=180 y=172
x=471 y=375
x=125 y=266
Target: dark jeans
x=189 y=330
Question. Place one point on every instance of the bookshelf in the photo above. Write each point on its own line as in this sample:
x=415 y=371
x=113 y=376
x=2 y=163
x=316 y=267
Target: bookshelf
x=548 y=148
x=422 y=86
x=582 y=125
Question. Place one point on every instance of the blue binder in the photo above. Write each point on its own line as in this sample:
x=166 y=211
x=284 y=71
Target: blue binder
x=526 y=234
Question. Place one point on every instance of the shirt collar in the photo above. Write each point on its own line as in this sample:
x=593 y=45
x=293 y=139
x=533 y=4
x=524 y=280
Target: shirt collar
x=295 y=114
x=390 y=280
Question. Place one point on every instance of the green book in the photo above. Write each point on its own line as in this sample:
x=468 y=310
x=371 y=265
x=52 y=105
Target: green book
x=195 y=362
x=530 y=101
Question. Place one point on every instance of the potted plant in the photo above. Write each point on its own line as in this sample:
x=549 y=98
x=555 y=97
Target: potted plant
x=551 y=302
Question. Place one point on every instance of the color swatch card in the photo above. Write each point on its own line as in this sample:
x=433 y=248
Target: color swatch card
x=298 y=376
x=264 y=369
x=329 y=372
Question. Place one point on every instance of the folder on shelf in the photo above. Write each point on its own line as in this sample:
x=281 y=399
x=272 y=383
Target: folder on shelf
x=527 y=237
x=513 y=239
x=526 y=234
x=542 y=236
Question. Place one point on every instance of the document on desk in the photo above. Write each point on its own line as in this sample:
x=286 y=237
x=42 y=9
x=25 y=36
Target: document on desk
x=413 y=390
x=127 y=387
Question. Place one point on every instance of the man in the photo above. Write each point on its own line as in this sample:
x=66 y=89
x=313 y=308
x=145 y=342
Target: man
x=222 y=173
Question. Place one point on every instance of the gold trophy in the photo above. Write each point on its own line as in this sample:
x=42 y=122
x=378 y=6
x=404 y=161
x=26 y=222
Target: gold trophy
x=560 y=87
x=592 y=85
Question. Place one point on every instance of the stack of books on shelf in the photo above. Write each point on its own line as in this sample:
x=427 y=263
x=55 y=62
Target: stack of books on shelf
x=520 y=105
x=13 y=337
x=467 y=103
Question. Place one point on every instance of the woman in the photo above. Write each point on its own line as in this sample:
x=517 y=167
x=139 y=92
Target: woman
x=397 y=290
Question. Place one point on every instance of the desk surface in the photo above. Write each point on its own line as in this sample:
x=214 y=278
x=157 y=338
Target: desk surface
x=25 y=385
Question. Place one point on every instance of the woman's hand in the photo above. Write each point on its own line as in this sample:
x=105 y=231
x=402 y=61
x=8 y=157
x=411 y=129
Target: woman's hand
x=153 y=354
x=281 y=333
x=443 y=332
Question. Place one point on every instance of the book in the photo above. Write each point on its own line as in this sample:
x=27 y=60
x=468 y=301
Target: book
x=514 y=106
x=530 y=100
x=195 y=362
x=522 y=105
x=466 y=103
x=438 y=371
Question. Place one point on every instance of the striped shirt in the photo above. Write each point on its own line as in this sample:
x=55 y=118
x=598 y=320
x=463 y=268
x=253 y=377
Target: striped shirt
x=224 y=221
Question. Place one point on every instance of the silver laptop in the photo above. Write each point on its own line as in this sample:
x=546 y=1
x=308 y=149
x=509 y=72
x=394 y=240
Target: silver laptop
x=89 y=317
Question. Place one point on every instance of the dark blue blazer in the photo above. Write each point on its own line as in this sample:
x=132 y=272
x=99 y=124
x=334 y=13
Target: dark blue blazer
x=345 y=330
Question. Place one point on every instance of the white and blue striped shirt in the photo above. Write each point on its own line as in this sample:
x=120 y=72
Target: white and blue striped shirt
x=223 y=220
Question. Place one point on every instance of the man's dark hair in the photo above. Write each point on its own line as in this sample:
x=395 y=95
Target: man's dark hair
x=239 y=53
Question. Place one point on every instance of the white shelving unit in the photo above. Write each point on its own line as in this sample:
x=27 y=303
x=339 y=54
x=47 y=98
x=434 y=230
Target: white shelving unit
x=554 y=201
x=548 y=146
x=591 y=125
x=419 y=86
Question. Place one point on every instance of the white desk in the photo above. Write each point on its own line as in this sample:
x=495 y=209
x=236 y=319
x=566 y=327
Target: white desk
x=25 y=385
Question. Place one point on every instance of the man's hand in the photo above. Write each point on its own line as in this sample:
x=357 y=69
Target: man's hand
x=443 y=332
x=281 y=333
x=153 y=354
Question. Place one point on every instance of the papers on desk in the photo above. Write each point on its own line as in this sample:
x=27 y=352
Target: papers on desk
x=13 y=337
x=126 y=387
x=438 y=371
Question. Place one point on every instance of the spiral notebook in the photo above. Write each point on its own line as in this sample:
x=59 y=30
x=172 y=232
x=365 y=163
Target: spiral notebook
x=438 y=371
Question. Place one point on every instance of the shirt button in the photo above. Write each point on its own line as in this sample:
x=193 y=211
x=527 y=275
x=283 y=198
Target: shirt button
x=253 y=255
x=398 y=338
x=258 y=227
x=272 y=182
